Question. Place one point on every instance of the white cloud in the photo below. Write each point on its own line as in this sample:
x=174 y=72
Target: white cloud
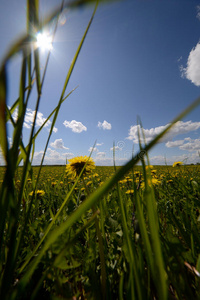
x=77 y=127
x=53 y=153
x=58 y=144
x=29 y=117
x=68 y=155
x=52 y=157
x=171 y=144
x=105 y=125
x=188 y=144
x=101 y=154
x=2 y=160
x=179 y=128
x=198 y=12
x=102 y=160
x=180 y=58
x=99 y=144
x=192 y=70
x=37 y=157
x=188 y=139
x=149 y=133
x=10 y=142
x=93 y=149
x=117 y=148
x=54 y=129
x=193 y=145
x=159 y=160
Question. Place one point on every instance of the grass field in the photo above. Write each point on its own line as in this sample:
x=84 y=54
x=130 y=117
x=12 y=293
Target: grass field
x=71 y=267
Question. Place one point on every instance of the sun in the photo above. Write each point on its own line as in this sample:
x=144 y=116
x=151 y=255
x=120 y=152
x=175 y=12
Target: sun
x=44 y=41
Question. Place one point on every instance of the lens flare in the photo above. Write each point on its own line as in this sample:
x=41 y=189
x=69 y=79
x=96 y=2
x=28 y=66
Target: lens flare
x=44 y=41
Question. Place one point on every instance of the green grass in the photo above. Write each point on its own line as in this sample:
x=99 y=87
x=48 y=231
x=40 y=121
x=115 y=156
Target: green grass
x=71 y=264
x=120 y=233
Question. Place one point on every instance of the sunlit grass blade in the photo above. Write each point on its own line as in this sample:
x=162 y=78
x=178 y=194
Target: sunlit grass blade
x=3 y=94
x=32 y=29
x=21 y=112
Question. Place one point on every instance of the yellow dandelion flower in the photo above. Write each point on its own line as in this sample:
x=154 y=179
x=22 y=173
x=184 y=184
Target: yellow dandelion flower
x=169 y=181
x=149 y=167
x=150 y=182
x=137 y=174
x=31 y=194
x=96 y=175
x=130 y=192
x=153 y=172
x=129 y=180
x=177 y=164
x=40 y=193
x=142 y=185
x=89 y=182
x=155 y=181
x=76 y=165
x=122 y=181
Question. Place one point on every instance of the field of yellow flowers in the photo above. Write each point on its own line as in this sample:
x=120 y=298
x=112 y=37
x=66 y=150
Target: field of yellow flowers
x=92 y=259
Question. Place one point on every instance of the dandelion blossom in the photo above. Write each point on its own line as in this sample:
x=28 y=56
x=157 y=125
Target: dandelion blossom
x=39 y=193
x=77 y=164
x=149 y=167
x=130 y=192
x=177 y=164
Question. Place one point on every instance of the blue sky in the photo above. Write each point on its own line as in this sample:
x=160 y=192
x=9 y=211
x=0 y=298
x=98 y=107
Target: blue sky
x=140 y=58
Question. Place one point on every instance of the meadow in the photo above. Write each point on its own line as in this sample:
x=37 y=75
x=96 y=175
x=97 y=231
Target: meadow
x=85 y=232
x=72 y=266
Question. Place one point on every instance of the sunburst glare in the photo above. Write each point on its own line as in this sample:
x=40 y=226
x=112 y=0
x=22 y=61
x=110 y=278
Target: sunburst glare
x=44 y=41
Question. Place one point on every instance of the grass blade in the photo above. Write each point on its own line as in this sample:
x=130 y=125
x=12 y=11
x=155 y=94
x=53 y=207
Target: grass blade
x=3 y=93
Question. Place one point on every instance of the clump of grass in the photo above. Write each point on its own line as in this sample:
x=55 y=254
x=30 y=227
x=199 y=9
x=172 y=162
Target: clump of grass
x=130 y=235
